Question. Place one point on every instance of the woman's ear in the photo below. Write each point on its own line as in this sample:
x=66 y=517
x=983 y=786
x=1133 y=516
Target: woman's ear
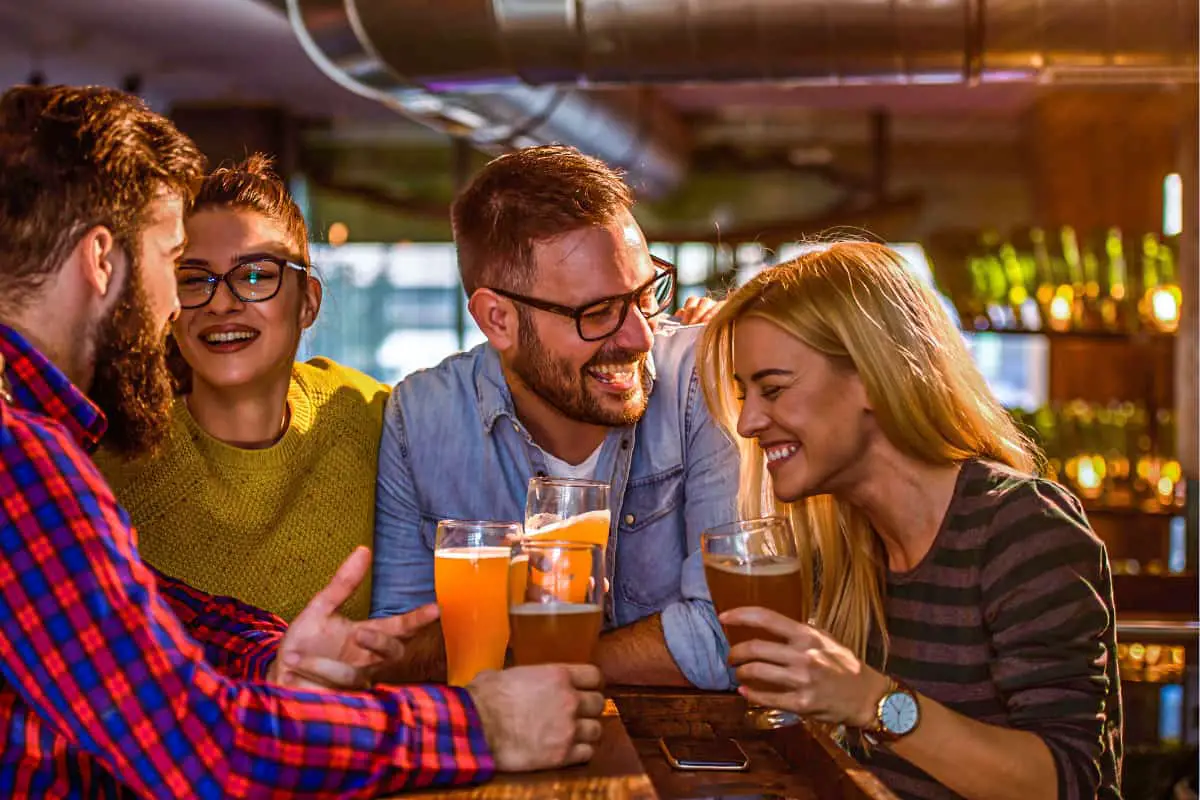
x=311 y=305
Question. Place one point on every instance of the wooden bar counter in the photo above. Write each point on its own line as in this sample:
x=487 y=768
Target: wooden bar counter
x=629 y=765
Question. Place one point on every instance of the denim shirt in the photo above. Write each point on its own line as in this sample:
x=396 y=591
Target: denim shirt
x=453 y=448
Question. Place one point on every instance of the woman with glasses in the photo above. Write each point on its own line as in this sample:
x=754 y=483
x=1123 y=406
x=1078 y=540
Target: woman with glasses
x=267 y=482
x=962 y=629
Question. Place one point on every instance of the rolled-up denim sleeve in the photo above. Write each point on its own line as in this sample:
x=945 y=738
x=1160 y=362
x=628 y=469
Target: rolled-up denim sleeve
x=403 y=564
x=690 y=627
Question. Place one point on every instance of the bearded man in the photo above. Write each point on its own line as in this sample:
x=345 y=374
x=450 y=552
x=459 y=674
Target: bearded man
x=579 y=378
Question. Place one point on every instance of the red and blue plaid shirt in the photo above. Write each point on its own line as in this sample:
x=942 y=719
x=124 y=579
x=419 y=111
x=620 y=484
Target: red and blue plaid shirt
x=118 y=681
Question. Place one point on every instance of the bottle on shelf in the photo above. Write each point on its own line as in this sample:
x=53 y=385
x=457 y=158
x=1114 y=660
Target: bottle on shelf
x=1067 y=282
x=1119 y=456
x=1161 y=298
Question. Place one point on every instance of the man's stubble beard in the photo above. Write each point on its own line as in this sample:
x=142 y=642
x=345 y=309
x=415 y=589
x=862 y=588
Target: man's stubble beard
x=556 y=383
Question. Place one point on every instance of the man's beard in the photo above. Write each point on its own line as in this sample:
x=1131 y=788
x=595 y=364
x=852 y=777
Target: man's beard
x=131 y=382
x=556 y=382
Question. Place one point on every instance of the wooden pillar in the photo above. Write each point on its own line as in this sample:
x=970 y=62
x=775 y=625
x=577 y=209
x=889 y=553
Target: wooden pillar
x=1187 y=367
x=1099 y=156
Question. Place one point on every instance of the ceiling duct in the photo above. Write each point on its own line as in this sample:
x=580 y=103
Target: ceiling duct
x=507 y=73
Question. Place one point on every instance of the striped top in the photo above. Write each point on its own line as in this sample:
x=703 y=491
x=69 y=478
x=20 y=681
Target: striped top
x=1009 y=619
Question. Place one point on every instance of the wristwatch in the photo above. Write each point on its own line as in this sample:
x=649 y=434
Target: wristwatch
x=896 y=714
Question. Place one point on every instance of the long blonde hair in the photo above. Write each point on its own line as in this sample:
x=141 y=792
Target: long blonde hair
x=858 y=303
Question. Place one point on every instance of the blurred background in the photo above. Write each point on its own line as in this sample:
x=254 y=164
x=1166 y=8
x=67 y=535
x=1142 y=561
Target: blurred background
x=1035 y=160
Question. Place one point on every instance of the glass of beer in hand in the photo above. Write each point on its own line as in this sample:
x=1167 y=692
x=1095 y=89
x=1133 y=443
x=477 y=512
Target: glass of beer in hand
x=556 y=619
x=470 y=575
x=754 y=563
x=568 y=510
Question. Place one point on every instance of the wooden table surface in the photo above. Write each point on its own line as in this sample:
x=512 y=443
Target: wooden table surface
x=629 y=765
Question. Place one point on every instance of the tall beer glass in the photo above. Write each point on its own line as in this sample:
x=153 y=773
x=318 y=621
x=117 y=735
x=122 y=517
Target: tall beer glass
x=568 y=510
x=754 y=563
x=470 y=575
x=558 y=616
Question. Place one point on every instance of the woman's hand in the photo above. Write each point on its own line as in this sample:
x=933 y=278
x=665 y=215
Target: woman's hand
x=806 y=670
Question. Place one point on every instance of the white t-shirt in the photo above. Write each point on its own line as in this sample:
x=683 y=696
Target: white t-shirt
x=585 y=470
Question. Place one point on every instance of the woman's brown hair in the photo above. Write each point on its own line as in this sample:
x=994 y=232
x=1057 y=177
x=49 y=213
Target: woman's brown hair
x=252 y=185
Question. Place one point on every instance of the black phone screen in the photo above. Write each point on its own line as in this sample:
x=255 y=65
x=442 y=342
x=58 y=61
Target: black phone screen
x=704 y=754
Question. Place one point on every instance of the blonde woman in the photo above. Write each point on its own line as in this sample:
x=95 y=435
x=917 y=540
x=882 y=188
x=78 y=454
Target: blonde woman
x=963 y=629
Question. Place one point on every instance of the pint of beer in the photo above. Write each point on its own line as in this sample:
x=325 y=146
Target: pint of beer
x=569 y=510
x=754 y=563
x=471 y=568
x=559 y=616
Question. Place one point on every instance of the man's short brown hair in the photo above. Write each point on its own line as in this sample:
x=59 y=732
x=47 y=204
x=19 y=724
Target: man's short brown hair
x=75 y=158
x=526 y=197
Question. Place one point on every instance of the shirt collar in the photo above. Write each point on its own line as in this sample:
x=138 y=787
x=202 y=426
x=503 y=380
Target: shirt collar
x=491 y=388
x=37 y=385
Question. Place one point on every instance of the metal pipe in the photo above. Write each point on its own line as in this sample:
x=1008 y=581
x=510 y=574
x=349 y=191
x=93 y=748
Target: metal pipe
x=506 y=73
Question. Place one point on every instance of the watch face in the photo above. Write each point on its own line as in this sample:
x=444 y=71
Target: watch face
x=900 y=713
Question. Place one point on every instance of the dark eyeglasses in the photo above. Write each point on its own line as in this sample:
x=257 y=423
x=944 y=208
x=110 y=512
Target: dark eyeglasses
x=602 y=318
x=250 y=281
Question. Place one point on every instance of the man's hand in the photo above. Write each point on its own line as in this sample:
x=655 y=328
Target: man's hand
x=540 y=717
x=323 y=649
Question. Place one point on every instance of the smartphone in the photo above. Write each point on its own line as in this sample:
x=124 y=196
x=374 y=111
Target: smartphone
x=724 y=755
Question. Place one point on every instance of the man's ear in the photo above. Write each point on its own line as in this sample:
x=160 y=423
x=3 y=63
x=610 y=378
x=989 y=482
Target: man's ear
x=98 y=260
x=496 y=317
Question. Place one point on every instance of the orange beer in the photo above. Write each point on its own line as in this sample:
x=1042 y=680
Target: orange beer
x=754 y=563
x=471 y=568
x=770 y=583
x=518 y=574
x=558 y=615
x=554 y=633
x=590 y=527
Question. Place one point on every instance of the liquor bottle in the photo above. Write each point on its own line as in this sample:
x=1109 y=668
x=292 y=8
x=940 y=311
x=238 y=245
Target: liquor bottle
x=999 y=312
x=1113 y=421
x=1114 y=304
x=1022 y=305
x=1094 y=283
x=1043 y=268
x=1060 y=308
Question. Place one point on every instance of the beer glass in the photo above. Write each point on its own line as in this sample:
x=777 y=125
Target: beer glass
x=558 y=616
x=568 y=510
x=754 y=563
x=470 y=575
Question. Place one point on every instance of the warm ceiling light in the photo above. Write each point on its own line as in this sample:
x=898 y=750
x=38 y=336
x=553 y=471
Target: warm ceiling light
x=338 y=234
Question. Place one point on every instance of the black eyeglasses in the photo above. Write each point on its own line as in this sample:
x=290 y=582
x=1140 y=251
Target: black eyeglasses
x=250 y=281
x=602 y=318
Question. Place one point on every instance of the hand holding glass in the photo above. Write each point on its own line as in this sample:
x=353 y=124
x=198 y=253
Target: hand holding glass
x=754 y=563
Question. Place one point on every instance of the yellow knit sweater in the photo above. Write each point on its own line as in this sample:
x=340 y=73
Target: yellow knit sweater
x=271 y=526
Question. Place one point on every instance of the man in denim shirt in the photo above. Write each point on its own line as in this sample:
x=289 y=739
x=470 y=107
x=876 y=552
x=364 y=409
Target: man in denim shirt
x=577 y=379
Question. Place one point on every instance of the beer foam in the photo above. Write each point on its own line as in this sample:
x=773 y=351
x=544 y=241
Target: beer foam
x=774 y=567
x=569 y=522
x=475 y=553
x=540 y=609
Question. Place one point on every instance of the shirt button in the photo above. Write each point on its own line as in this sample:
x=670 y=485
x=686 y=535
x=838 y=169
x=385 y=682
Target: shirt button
x=630 y=519
x=516 y=427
